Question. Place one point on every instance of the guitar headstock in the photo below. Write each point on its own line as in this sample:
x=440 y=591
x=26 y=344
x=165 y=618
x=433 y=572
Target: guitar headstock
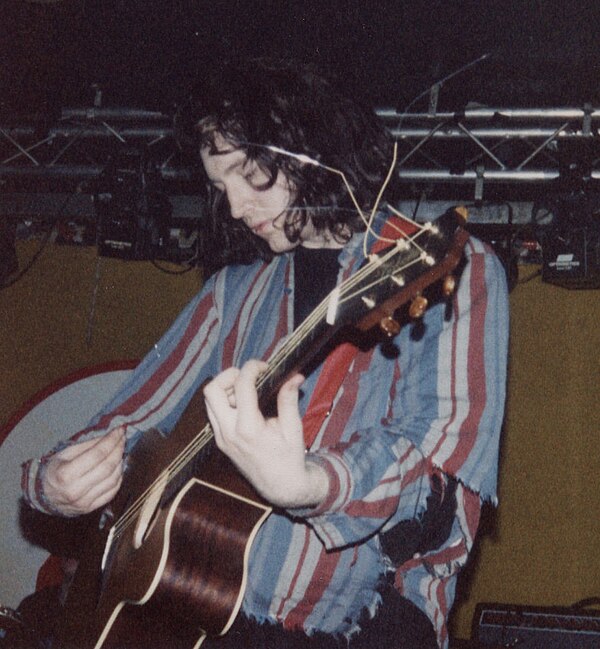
x=399 y=274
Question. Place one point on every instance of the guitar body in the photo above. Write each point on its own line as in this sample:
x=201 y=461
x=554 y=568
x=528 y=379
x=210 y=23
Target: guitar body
x=177 y=570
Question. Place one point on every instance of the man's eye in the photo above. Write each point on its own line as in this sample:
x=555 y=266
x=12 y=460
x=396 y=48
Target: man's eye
x=256 y=177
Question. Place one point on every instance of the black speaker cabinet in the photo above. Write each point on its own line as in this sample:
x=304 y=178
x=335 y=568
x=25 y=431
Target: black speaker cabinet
x=506 y=625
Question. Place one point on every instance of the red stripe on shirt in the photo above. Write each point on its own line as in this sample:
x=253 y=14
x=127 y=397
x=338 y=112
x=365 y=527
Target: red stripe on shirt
x=475 y=369
x=148 y=391
x=373 y=509
x=325 y=568
x=230 y=342
x=282 y=327
x=297 y=572
x=394 y=229
x=343 y=409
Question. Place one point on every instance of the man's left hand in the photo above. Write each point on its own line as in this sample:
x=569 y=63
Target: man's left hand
x=269 y=452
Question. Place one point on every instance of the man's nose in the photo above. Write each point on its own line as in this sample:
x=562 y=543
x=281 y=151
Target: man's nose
x=238 y=204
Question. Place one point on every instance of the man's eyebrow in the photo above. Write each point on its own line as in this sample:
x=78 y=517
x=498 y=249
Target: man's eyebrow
x=231 y=167
x=235 y=164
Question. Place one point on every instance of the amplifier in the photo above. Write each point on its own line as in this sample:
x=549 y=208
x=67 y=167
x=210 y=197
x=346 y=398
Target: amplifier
x=507 y=625
x=572 y=258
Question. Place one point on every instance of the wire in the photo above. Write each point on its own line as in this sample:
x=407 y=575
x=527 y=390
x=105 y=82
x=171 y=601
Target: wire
x=11 y=281
x=588 y=601
x=453 y=74
x=19 y=275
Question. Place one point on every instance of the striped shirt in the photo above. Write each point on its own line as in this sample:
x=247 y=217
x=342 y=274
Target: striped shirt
x=429 y=403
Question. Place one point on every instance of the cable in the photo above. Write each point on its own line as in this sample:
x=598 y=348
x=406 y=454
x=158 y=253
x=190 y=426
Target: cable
x=588 y=601
x=45 y=239
x=443 y=81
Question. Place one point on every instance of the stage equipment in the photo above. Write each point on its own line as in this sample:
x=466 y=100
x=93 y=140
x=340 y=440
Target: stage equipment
x=478 y=156
x=572 y=257
x=510 y=625
x=477 y=152
x=571 y=242
x=133 y=214
x=511 y=150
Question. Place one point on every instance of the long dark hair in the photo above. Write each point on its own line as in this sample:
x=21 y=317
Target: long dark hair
x=260 y=104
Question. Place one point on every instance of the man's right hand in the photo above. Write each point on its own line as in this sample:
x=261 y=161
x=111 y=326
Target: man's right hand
x=85 y=475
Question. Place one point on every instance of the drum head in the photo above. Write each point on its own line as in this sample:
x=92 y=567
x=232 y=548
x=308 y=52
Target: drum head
x=27 y=538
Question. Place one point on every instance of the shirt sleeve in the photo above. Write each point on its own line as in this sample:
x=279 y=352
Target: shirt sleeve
x=444 y=413
x=155 y=394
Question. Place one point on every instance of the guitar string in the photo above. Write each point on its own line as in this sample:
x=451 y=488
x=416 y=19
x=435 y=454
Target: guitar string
x=199 y=441
x=345 y=294
x=183 y=459
x=274 y=362
x=206 y=434
x=204 y=437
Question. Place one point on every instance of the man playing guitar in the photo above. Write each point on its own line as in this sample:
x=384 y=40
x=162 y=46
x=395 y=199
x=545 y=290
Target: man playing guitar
x=374 y=456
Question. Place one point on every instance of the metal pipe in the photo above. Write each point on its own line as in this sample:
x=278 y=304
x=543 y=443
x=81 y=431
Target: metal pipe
x=491 y=113
x=113 y=113
x=492 y=175
x=81 y=172
x=452 y=131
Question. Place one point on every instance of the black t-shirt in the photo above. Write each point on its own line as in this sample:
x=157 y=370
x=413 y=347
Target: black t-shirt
x=315 y=275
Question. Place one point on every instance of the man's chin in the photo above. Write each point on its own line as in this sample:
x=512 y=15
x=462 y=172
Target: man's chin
x=279 y=247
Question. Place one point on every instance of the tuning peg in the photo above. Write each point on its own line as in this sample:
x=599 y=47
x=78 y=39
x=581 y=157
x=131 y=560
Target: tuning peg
x=448 y=285
x=418 y=306
x=389 y=326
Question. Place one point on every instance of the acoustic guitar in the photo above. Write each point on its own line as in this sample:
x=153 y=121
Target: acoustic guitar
x=165 y=564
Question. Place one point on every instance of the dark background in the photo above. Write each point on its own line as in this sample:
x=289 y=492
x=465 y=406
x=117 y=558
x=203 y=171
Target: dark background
x=143 y=52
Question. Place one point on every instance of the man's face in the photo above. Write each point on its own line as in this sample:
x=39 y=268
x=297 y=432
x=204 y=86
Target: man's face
x=240 y=179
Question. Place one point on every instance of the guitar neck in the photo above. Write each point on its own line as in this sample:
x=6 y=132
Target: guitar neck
x=370 y=297
x=365 y=300
x=296 y=354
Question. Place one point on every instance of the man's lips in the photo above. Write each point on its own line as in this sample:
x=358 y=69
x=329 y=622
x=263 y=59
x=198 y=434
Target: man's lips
x=259 y=227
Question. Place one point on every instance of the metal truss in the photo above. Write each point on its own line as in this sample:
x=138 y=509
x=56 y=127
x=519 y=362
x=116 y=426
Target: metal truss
x=476 y=153
x=73 y=150
x=515 y=150
x=522 y=172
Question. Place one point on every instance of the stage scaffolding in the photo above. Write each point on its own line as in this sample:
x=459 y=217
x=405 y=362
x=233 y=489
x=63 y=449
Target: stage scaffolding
x=519 y=150
x=446 y=155
x=506 y=163
x=527 y=175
